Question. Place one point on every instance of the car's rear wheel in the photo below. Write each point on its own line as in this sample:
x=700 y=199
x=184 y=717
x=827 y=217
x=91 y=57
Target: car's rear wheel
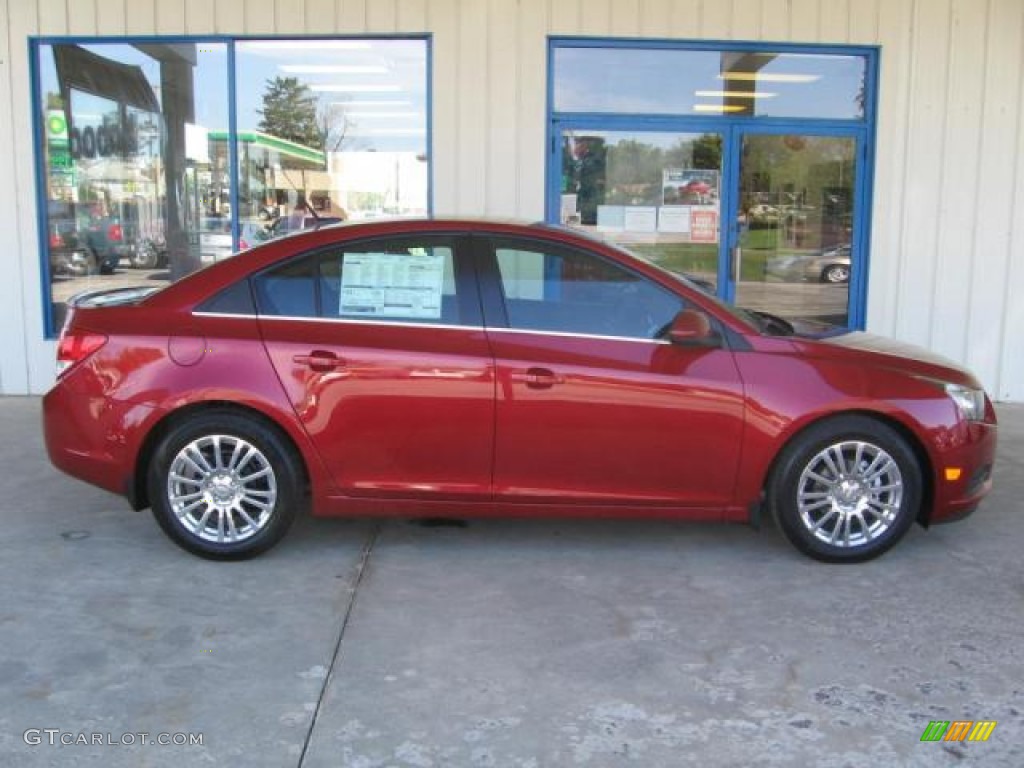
x=224 y=486
x=846 y=490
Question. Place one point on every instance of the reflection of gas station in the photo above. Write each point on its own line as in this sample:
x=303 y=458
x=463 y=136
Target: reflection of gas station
x=272 y=171
x=275 y=173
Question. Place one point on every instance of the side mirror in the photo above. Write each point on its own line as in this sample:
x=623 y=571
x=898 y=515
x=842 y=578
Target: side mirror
x=692 y=328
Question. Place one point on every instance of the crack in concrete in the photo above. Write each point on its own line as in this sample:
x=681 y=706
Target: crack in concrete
x=364 y=559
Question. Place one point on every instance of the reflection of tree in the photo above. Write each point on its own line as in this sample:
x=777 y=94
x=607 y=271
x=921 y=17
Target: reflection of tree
x=786 y=169
x=705 y=151
x=630 y=171
x=289 y=112
x=634 y=173
x=804 y=185
x=333 y=124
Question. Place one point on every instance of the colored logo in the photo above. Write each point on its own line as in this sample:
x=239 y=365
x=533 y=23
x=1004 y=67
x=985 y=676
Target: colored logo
x=57 y=127
x=958 y=730
x=57 y=124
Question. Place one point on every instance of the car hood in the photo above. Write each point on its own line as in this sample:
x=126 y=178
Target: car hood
x=859 y=345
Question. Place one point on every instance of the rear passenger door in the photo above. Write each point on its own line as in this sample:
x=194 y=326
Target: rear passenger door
x=380 y=349
x=593 y=406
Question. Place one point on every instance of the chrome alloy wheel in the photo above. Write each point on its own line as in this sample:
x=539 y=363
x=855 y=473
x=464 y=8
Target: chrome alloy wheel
x=221 y=488
x=850 y=493
x=837 y=273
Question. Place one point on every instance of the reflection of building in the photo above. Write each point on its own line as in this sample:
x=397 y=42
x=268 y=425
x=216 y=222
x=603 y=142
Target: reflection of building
x=274 y=174
x=380 y=183
x=270 y=168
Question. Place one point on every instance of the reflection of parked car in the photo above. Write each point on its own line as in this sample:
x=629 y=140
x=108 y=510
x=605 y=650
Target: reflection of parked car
x=149 y=253
x=764 y=212
x=68 y=254
x=404 y=367
x=106 y=239
x=829 y=266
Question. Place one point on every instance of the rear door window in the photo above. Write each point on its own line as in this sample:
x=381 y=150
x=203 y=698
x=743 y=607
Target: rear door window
x=416 y=280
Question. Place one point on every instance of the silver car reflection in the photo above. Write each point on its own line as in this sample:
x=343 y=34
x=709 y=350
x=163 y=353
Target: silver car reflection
x=828 y=266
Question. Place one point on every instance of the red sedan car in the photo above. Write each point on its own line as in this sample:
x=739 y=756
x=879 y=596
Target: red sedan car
x=458 y=368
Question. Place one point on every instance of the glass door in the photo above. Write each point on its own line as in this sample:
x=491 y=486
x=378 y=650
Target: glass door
x=658 y=192
x=792 y=252
x=763 y=218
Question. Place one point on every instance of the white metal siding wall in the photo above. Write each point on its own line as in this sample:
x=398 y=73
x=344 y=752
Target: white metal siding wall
x=948 y=237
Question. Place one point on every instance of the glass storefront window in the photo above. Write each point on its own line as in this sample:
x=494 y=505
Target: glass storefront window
x=741 y=83
x=124 y=131
x=136 y=149
x=332 y=130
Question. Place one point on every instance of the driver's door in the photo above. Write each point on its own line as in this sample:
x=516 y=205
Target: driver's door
x=591 y=406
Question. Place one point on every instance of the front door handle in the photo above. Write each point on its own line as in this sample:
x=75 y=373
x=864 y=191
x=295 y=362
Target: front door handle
x=320 y=360
x=537 y=378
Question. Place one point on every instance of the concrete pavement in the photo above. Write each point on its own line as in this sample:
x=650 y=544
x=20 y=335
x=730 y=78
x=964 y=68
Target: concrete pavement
x=501 y=643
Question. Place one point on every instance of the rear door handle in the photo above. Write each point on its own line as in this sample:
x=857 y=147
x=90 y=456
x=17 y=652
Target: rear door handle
x=319 y=360
x=537 y=378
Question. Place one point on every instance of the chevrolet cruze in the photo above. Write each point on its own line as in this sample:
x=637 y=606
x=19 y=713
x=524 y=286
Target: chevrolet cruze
x=458 y=368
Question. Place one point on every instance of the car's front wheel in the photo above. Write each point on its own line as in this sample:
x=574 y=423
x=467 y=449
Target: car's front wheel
x=224 y=486
x=846 y=490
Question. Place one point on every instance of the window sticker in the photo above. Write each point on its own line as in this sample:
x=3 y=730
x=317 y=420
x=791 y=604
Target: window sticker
x=392 y=285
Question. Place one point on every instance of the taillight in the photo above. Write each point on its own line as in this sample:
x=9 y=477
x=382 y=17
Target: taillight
x=115 y=233
x=75 y=346
x=56 y=241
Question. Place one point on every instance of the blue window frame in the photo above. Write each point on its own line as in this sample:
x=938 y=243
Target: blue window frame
x=739 y=92
x=150 y=152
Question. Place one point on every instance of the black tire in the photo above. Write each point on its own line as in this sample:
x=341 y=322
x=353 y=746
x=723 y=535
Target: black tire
x=194 y=530
x=851 y=497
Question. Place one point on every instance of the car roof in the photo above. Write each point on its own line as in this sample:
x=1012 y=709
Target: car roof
x=202 y=284
x=270 y=251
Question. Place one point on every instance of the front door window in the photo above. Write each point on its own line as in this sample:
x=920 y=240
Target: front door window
x=568 y=292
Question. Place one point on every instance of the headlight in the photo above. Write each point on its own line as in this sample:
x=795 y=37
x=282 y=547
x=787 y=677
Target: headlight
x=970 y=402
